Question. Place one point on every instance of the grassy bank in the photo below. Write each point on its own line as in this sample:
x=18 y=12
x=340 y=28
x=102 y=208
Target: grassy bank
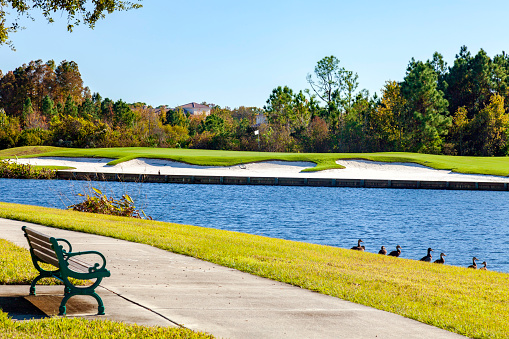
x=470 y=302
x=471 y=165
x=16 y=265
x=77 y=328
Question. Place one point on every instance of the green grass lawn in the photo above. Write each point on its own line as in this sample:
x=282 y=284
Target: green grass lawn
x=78 y=328
x=16 y=264
x=470 y=302
x=472 y=165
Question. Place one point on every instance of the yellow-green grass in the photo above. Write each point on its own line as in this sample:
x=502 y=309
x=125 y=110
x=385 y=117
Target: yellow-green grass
x=473 y=165
x=470 y=302
x=78 y=328
x=17 y=267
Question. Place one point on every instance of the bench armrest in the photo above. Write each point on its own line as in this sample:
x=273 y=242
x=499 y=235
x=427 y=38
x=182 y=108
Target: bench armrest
x=68 y=244
x=96 y=265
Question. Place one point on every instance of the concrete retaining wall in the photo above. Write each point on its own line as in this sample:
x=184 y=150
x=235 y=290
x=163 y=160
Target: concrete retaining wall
x=272 y=181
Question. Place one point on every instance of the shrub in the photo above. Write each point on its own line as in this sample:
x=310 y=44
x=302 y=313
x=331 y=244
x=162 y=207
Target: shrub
x=14 y=170
x=97 y=202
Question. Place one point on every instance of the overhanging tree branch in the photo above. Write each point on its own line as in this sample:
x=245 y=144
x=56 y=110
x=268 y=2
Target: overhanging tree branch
x=78 y=12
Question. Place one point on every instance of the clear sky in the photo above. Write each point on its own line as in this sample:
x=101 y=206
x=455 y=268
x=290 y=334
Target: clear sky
x=233 y=53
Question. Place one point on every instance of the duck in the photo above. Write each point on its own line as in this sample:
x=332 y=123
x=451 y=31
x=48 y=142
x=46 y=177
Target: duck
x=359 y=247
x=382 y=251
x=397 y=252
x=428 y=257
x=441 y=260
x=484 y=267
x=474 y=265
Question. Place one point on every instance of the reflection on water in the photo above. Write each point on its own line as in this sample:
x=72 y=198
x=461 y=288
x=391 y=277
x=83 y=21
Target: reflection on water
x=462 y=224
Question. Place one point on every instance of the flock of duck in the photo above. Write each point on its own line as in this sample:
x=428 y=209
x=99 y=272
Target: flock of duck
x=427 y=258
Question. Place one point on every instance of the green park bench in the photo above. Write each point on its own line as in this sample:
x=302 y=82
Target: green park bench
x=48 y=250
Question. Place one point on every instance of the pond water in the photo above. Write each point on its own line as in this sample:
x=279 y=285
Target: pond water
x=462 y=224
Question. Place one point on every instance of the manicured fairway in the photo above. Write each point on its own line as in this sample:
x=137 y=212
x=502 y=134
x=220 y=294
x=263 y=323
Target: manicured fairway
x=471 y=165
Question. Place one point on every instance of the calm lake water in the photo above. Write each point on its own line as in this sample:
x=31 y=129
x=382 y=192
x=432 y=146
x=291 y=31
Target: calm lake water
x=462 y=224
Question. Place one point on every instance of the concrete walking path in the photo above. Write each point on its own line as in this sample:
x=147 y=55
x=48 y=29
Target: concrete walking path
x=149 y=286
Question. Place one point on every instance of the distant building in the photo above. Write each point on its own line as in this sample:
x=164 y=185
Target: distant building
x=195 y=109
x=261 y=119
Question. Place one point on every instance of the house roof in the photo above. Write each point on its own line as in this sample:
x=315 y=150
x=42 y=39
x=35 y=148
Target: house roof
x=194 y=105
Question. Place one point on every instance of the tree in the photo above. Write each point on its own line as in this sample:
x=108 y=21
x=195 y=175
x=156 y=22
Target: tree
x=77 y=12
x=289 y=109
x=68 y=82
x=70 y=107
x=123 y=114
x=426 y=109
x=469 y=82
x=9 y=130
x=87 y=109
x=386 y=125
x=335 y=86
x=490 y=127
x=459 y=130
x=77 y=132
x=107 y=109
x=214 y=124
x=317 y=136
x=27 y=109
x=48 y=107
x=279 y=106
x=177 y=117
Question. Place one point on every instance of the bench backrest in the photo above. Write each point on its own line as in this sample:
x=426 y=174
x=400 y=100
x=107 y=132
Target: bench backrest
x=41 y=246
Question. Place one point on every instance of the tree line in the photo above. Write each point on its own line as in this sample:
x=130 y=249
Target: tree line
x=460 y=109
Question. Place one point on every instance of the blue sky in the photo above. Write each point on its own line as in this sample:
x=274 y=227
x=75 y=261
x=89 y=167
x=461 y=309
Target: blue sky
x=233 y=53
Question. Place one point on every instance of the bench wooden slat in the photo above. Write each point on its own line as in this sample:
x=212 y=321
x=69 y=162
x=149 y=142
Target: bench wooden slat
x=39 y=241
x=46 y=258
x=78 y=262
x=47 y=251
x=37 y=235
x=77 y=266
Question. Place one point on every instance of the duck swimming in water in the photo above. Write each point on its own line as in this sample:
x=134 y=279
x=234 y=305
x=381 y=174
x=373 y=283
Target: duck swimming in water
x=383 y=251
x=428 y=257
x=484 y=267
x=441 y=260
x=397 y=252
x=359 y=247
x=474 y=265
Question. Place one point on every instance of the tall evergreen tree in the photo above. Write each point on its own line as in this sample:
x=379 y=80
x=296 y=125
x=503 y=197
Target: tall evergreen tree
x=426 y=115
x=70 y=107
x=28 y=110
x=48 y=107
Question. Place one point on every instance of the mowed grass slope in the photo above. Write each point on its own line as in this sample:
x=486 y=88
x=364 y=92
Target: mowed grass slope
x=472 y=165
x=79 y=328
x=470 y=302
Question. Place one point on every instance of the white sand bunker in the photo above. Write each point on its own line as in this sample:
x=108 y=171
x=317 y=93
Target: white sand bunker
x=365 y=169
x=89 y=164
x=263 y=169
x=354 y=169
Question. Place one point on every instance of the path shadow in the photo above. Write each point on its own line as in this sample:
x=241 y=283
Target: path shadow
x=18 y=308
x=45 y=306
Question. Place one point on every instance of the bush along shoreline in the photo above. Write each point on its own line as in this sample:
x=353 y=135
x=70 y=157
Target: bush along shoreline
x=98 y=202
x=13 y=170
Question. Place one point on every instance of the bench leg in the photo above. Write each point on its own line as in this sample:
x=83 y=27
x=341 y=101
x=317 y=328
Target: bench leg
x=100 y=308
x=34 y=282
x=62 y=309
